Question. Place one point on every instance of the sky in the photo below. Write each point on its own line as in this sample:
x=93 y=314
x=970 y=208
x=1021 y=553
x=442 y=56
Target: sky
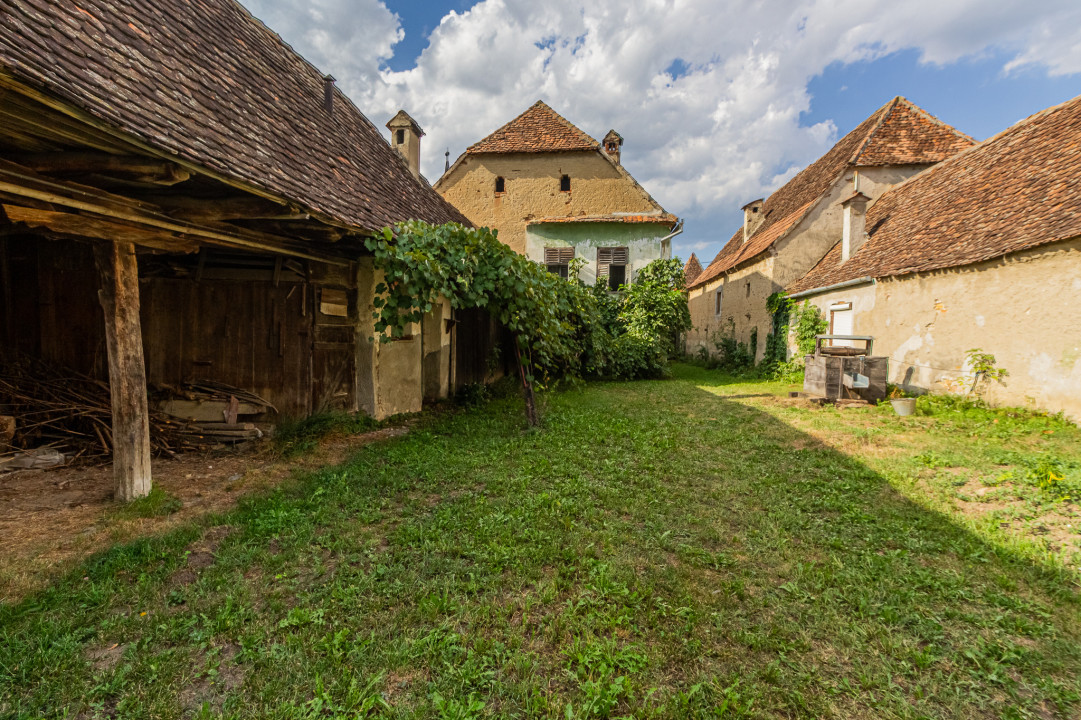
x=719 y=103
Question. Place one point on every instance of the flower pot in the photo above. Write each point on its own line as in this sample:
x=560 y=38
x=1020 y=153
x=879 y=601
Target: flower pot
x=904 y=406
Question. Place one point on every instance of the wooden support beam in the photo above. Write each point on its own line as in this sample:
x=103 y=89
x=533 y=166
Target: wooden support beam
x=196 y=209
x=127 y=167
x=76 y=225
x=119 y=297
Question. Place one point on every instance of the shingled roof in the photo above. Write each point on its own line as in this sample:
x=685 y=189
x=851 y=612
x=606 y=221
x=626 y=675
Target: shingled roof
x=692 y=269
x=898 y=133
x=205 y=82
x=1013 y=192
x=538 y=129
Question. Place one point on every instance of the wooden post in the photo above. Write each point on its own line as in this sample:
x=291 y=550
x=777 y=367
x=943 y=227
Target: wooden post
x=119 y=296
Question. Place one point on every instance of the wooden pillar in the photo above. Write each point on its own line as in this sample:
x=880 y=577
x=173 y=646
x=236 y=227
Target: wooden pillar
x=119 y=296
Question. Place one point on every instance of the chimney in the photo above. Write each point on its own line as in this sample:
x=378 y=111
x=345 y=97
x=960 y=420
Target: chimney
x=405 y=137
x=752 y=218
x=613 y=143
x=853 y=231
x=328 y=93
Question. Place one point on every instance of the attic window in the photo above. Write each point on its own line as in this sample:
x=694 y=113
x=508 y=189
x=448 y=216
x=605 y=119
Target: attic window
x=748 y=288
x=611 y=147
x=500 y=186
x=401 y=136
x=565 y=183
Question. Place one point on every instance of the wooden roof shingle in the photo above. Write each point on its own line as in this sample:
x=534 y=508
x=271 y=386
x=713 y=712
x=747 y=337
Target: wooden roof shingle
x=205 y=82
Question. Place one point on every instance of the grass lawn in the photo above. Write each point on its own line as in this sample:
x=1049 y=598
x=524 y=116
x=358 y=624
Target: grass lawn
x=693 y=547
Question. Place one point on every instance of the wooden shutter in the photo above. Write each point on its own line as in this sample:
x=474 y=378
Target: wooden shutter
x=558 y=255
x=610 y=256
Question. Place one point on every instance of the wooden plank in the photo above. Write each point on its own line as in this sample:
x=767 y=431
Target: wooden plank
x=131 y=167
x=119 y=297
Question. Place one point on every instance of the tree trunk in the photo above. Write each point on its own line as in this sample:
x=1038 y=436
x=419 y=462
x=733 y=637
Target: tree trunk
x=119 y=297
x=527 y=386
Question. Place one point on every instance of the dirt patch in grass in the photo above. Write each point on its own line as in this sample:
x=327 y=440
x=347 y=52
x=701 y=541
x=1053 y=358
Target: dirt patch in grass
x=50 y=519
x=105 y=658
x=211 y=689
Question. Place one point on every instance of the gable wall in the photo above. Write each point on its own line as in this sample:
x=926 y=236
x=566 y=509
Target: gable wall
x=532 y=190
x=790 y=259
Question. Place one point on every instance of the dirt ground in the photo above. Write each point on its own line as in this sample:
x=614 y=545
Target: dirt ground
x=51 y=519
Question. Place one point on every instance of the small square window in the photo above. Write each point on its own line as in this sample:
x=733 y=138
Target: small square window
x=558 y=259
x=612 y=264
x=565 y=183
x=500 y=186
x=401 y=136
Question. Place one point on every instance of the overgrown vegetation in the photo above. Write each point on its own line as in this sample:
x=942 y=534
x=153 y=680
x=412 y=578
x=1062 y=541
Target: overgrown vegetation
x=693 y=548
x=561 y=327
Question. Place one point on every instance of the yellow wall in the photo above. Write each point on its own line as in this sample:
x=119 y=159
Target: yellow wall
x=1022 y=309
x=532 y=190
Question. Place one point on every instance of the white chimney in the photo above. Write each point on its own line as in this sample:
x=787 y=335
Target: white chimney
x=405 y=135
x=854 y=224
x=752 y=218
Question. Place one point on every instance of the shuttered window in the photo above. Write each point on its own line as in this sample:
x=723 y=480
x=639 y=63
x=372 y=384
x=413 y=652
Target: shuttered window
x=557 y=260
x=612 y=264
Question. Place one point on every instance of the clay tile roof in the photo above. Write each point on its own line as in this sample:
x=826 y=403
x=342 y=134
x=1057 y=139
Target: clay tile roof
x=893 y=135
x=1013 y=192
x=538 y=129
x=205 y=81
x=692 y=269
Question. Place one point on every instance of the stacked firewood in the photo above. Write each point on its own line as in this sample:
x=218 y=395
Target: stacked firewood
x=60 y=408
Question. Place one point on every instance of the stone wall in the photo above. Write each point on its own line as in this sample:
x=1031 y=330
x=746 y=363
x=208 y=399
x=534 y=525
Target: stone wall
x=531 y=190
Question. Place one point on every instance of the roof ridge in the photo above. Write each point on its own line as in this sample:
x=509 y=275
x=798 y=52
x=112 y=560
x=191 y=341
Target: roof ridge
x=539 y=104
x=884 y=112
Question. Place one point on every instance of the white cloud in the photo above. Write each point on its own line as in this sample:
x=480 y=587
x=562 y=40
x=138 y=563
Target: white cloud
x=703 y=143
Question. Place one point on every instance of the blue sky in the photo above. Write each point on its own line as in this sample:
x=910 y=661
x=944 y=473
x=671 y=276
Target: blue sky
x=718 y=103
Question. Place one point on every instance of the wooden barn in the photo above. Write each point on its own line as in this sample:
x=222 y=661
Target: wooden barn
x=183 y=197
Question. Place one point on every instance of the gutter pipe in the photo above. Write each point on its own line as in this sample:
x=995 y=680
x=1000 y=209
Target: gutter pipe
x=836 y=286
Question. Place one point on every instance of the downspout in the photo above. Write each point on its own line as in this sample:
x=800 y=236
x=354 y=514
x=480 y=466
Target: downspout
x=835 y=286
x=677 y=231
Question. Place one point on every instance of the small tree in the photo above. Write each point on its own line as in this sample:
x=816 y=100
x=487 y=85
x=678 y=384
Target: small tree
x=984 y=368
x=655 y=304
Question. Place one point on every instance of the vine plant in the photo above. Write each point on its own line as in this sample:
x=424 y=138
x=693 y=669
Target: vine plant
x=472 y=269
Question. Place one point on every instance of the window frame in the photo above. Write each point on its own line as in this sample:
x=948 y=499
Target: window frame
x=557 y=260
x=615 y=256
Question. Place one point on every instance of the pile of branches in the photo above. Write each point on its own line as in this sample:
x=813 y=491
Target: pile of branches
x=60 y=408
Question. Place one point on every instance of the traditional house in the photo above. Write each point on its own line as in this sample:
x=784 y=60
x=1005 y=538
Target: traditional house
x=555 y=194
x=223 y=187
x=981 y=251
x=786 y=234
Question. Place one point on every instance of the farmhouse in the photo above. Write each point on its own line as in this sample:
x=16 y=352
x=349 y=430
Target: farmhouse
x=981 y=251
x=180 y=167
x=786 y=234
x=554 y=194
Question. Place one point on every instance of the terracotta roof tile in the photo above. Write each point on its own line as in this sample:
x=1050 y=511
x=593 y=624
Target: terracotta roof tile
x=898 y=133
x=692 y=269
x=204 y=80
x=538 y=129
x=1013 y=192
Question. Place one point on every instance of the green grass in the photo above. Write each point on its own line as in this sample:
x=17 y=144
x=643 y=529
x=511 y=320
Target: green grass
x=294 y=437
x=673 y=549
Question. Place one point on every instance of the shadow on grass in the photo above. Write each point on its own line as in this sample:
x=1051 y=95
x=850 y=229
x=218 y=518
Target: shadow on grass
x=630 y=557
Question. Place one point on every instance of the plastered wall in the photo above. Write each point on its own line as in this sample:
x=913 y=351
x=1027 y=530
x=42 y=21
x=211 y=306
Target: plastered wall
x=1022 y=309
x=532 y=190
x=789 y=260
x=644 y=241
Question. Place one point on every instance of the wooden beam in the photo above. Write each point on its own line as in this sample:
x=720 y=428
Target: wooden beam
x=22 y=182
x=119 y=297
x=196 y=209
x=75 y=225
x=128 y=167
